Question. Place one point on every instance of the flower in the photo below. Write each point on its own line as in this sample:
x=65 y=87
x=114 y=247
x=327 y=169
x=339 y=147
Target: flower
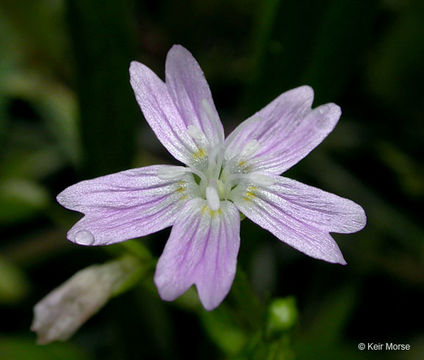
x=221 y=178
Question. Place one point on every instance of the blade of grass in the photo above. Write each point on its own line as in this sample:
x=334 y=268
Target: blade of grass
x=103 y=48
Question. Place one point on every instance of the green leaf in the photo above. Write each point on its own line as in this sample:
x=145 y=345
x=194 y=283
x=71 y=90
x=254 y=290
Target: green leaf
x=103 y=49
x=20 y=199
x=55 y=104
x=396 y=63
x=343 y=35
x=220 y=326
x=13 y=283
x=331 y=317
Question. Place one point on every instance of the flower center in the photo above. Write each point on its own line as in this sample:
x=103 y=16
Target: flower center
x=215 y=176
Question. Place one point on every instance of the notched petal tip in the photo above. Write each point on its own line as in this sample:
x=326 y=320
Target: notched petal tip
x=342 y=261
x=327 y=116
x=359 y=218
x=356 y=219
x=133 y=65
x=362 y=219
x=339 y=259
x=334 y=257
x=166 y=293
x=61 y=198
x=136 y=70
x=208 y=304
x=304 y=94
x=305 y=90
x=177 y=48
x=179 y=53
x=330 y=110
x=141 y=74
x=331 y=254
x=67 y=197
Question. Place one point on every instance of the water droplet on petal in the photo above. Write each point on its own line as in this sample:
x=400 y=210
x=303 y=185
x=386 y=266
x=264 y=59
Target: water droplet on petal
x=84 y=237
x=322 y=109
x=322 y=122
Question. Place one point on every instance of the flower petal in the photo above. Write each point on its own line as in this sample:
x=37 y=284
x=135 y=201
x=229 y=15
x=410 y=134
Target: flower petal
x=202 y=249
x=286 y=131
x=126 y=205
x=191 y=94
x=301 y=215
x=160 y=112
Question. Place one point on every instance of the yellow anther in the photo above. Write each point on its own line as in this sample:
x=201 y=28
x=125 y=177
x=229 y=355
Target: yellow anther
x=182 y=186
x=250 y=193
x=244 y=165
x=199 y=154
x=207 y=209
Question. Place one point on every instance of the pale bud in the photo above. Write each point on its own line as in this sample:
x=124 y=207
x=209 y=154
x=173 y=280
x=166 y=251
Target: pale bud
x=59 y=315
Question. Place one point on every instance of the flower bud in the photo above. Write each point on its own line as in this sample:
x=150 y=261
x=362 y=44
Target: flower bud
x=59 y=315
x=282 y=316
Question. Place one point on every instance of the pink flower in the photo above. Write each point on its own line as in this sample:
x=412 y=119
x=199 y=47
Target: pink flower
x=221 y=178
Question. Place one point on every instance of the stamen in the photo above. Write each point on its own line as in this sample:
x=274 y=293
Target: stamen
x=211 y=115
x=249 y=149
x=230 y=180
x=250 y=125
x=240 y=162
x=176 y=173
x=260 y=179
x=215 y=159
x=221 y=189
x=253 y=178
x=172 y=173
x=199 y=174
x=219 y=161
x=212 y=198
x=197 y=135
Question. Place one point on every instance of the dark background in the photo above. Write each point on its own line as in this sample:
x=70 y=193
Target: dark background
x=67 y=113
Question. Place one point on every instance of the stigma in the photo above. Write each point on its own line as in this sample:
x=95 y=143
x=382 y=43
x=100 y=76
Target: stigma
x=212 y=198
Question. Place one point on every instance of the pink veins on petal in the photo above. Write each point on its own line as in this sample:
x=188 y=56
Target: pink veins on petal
x=219 y=178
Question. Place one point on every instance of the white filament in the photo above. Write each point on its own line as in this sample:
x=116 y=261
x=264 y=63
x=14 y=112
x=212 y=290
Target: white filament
x=213 y=117
x=250 y=149
x=260 y=179
x=197 y=135
x=172 y=173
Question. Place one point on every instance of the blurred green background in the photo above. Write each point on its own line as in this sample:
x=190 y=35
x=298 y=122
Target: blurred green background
x=67 y=113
